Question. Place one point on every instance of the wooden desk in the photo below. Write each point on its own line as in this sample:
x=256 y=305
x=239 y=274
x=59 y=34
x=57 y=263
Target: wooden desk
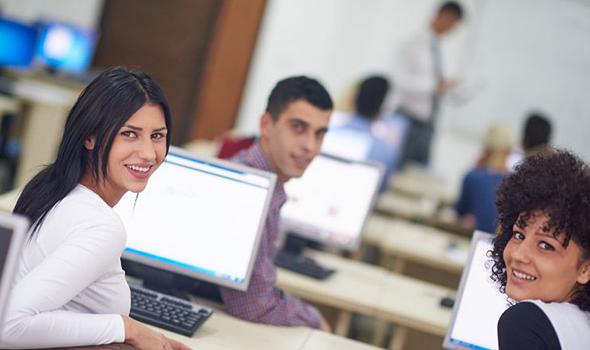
x=419 y=184
x=406 y=241
x=223 y=332
x=47 y=102
x=407 y=207
x=373 y=291
x=424 y=210
x=8 y=200
x=354 y=287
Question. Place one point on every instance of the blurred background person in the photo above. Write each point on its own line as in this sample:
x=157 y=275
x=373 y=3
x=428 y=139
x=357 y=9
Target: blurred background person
x=476 y=203
x=422 y=82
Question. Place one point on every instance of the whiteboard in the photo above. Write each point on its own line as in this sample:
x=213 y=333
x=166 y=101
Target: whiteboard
x=531 y=55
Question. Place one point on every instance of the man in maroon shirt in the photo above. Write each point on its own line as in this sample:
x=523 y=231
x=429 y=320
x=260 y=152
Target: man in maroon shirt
x=291 y=132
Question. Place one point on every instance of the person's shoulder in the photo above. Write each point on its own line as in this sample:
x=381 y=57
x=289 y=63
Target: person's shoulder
x=521 y=312
x=476 y=174
x=525 y=326
x=83 y=207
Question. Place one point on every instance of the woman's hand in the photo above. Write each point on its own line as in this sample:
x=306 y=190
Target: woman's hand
x=143 y=338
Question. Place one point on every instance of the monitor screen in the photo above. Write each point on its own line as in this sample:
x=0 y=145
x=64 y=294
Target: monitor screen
x=479 y=304
x=331 y=201
x=198 y=217
x=346 y=143
x=17 y=43
x=65 y=47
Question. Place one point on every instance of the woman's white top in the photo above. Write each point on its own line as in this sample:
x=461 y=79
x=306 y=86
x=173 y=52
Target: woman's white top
x=571 y=324
x=70 y=289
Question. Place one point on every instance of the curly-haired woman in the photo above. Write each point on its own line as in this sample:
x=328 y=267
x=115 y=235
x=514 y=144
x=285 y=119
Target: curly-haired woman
x=541 y=256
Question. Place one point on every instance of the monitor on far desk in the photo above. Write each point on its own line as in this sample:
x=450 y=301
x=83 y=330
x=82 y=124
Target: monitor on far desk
x=198 y=218
x=64 y=47
x=330 y=203
x=17 y=43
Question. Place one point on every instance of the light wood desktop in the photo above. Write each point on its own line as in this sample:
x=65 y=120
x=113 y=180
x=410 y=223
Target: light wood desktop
x=409 y=242
x=417 y=183
x=373 y=291
x=225 y=332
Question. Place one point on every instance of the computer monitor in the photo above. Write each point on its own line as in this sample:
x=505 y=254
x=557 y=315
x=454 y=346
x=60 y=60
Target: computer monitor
x=65 y=47
x=17 y=43
x=198 y=217
x=13 y=230
x=479 y=304
x=330 y=203
x=346 y=143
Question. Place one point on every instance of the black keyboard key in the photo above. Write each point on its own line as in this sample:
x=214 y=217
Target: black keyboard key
x=167 y=312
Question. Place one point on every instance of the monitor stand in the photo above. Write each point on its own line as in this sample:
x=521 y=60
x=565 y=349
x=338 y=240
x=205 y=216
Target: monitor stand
x=160 y=280
x=291 y=258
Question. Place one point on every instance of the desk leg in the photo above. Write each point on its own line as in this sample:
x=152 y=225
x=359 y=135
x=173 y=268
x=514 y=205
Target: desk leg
x=380 y=332
x=399 y=338
x=398 y=266
x=358 y=254
x=343 y=323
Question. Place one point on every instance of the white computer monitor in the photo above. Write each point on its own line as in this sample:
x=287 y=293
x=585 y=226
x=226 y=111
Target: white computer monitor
x=347 y=143
x=479 y=304
x=198 y=217
x=13 y=230
x=330 y=203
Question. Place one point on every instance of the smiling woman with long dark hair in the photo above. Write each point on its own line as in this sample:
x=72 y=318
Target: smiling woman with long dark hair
x=542 y=253
x=70 y=289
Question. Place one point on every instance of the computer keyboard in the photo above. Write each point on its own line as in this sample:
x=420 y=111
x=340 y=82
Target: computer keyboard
x=167 y=312
x=301 y=264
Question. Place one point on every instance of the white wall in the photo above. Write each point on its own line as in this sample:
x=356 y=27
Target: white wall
x=84 y=13
x=519 y=54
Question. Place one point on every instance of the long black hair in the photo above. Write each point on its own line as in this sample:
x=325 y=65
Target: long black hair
x=100 y=111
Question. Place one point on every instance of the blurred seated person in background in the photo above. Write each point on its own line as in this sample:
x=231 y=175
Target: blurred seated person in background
x=536 y=135
x=476 y=203
x=541 y=256
x=292 y=129
x=368 y=103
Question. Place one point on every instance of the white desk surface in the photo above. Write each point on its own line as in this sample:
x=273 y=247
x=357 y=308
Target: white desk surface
x=223 y=332
x=422 y=185
x=373 y=291
x=406 y=206
x=353 y=287
x=8 y=200
x=417 y=243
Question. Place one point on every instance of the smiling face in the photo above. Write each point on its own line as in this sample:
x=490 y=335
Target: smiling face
x=538 y=266
x=294 y=139
x=137 y=150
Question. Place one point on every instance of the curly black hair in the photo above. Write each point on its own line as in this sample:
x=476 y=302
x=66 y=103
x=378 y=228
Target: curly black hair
x=558 y=184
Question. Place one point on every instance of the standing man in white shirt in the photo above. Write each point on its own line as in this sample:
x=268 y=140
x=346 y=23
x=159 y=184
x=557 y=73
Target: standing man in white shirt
x=421 y=82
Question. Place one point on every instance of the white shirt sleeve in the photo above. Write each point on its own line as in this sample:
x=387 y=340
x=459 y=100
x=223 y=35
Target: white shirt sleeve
x=33 y=318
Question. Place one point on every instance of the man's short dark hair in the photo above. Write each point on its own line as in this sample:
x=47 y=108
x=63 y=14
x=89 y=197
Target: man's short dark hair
x=452 y=7
x=371 y=95
x=297 y=88
x=537 y=131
